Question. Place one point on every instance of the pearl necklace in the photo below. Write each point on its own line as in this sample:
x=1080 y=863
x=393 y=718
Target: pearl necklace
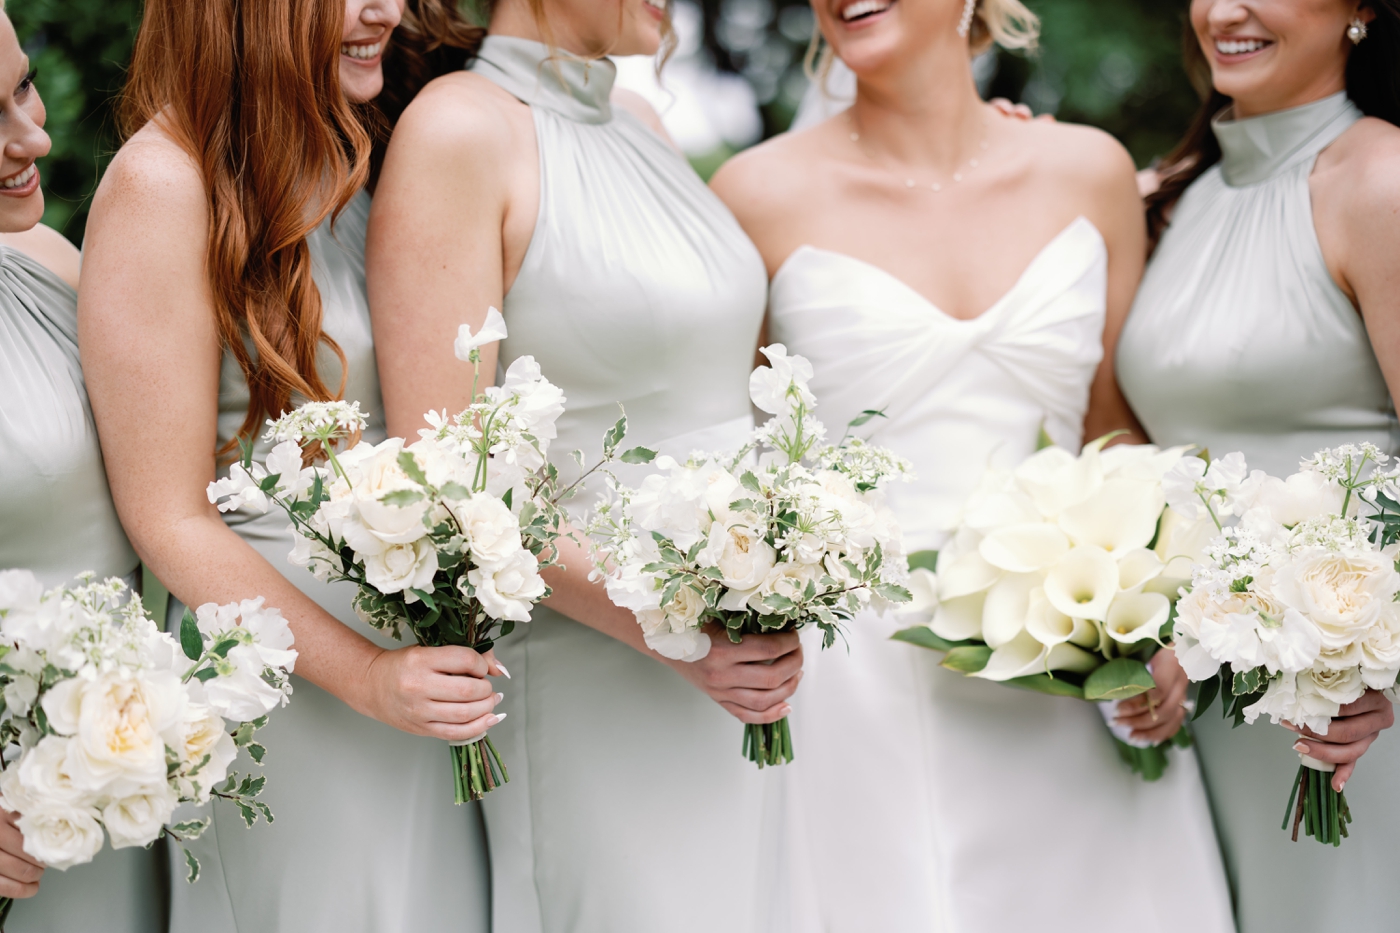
x=910 y=183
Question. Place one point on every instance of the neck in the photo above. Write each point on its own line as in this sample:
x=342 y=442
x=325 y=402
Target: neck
x=922 y=111
x=1258 y=105
x=515 y=18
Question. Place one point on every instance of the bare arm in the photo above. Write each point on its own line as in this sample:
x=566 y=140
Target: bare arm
x=1118 y=213
x=151 y=355
x=453 y=215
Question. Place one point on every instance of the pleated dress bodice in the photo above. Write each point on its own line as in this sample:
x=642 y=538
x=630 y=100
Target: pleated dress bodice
x=56 y=513
x=1241 y=340
x=638 y=287
x=367 y=839
x=57 y=520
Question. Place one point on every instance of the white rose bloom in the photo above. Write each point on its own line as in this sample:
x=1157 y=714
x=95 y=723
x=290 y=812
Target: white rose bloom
x=13 y=796
x=203 y=733
x=380 y=523
x=20 y=591
x=510 y=589
x=117 y=721
x=788 y=579
x=631 y=587
x=687 y=645
x=242 y=694
x=1338 y=686
x=742 y=556
x=401 y=567
x=491 y=529
x=1343 y=594
x=61 y=835
x=43 y=773
x=137 y=819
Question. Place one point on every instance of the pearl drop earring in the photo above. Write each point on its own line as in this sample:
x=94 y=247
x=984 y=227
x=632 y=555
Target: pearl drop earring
x=1356 y=31
x=970 y=7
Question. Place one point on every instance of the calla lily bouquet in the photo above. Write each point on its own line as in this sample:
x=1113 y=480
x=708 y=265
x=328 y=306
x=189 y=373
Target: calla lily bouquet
x=115 y=723
x=1292 y=611
x=444 y=537
x=784 y=533
x=1061 y=577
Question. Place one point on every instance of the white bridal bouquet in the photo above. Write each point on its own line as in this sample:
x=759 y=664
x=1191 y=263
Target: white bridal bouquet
x=444 y=537
x=1060 y=577
x=1292 y=612
x=109 y=722
x=780 y=534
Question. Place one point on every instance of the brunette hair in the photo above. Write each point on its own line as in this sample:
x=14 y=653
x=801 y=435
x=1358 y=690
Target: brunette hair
x=1373 y=84
x=251 y=90
x=433 y=39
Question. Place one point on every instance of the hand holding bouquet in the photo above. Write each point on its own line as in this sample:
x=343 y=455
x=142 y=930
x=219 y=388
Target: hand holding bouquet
x=784 y=533
x=1292 y=613
x=116 y=723
x=1060 y=577
x=444 y=537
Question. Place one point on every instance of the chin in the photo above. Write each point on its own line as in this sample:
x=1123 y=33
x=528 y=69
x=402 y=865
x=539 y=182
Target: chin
x=363 y=90
x=25 y=215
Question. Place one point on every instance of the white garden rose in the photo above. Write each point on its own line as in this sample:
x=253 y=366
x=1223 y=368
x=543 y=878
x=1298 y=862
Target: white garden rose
x=203 y=734
x=1339 y=686
x=137 y=819
x=1344 y=594
x=117 y=721
x=61 y=835
x=401 y=567
x=44 y=775
x=510 y=589
x=381 y=523
x=491 y=529
x=1191 y=613
x=788 y=579
x=742 y=557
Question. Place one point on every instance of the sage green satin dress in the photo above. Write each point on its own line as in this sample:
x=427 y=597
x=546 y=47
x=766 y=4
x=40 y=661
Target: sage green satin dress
x=57 y=519
x=1241 y=340
x=367 y=839
x=630 y=808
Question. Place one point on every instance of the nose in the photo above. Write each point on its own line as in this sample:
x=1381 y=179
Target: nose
x=1227 y=14
x=26 y=139
x=385 y=13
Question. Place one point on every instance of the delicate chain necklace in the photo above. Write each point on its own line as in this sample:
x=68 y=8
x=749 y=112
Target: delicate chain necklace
x=910 y=183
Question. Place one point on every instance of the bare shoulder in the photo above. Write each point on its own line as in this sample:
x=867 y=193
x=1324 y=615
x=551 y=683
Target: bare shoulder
x=1079 y=155
x=1365 y=164
x=770 y=178
x=639 y=107
x=48 y=248
x=465 y=114
x=151 y=178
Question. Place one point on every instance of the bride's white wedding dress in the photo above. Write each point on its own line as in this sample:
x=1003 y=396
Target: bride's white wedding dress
x=922 y=800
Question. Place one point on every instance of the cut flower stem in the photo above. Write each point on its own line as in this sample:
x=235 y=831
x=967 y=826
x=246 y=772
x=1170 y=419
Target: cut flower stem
x=1320 y=811
x=768 y=743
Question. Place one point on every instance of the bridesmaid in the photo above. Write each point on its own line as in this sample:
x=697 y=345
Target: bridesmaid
x=217 y=293
x=528 y=184
x=55 y=510
x=1269 y=322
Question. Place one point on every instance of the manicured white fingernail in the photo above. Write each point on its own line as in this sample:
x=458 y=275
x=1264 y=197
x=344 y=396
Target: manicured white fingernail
x=499 y=717
x=500 y=697
x=502 y=668
x=1301 y=747
x=787 y=710
x=1341 y=787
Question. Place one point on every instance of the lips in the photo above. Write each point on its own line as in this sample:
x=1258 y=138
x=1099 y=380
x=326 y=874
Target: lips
x=1241 y=46
x=862 y=9
x=362 y=51
x=19 y=179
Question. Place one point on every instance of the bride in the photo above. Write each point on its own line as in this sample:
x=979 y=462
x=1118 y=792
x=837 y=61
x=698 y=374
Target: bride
x=967 y=273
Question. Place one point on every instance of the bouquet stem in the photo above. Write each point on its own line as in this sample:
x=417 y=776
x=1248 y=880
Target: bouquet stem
x=5 y=904
x=769 y=743
x=477 y=770
x=1321 y=811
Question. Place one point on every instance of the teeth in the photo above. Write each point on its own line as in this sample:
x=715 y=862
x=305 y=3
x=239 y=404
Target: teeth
x=864 y=8
x=658 y=4
x=361 y=51
x=1238 y=46
x=20 y=180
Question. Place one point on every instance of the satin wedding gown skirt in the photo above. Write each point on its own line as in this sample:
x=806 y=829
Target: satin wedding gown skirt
x=922 y=801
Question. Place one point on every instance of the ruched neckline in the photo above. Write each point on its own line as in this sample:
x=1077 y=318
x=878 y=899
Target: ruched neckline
x=1257 y=148
x=577 y=89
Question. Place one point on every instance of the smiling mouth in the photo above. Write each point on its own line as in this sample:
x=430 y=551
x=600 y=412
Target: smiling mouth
x=864 y=9
x=361 y=51
x=657 y=4
x=19 y=179
x=1227 y=48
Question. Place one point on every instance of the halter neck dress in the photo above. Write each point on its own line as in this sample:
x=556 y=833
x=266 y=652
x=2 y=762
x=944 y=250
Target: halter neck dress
x=1241 y=340
x=367 y=839
x=630 y=808
x=57 y=520
x=979 y=808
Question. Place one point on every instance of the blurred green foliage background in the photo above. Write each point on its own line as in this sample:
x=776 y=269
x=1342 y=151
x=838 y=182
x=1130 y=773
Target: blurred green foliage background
x=1112 y=63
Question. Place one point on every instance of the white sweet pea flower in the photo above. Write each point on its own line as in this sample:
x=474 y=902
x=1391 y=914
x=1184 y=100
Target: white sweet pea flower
x=20 y=591
x=537 y=402
x=1181 y=484
x=509 y=590
x=239 y=693
x=770 y=386
x=61 y=835
x=137 y=819
x=492 y=330
x=239 y=490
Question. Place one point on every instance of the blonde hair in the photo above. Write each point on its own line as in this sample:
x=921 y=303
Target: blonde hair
x=1007 y=23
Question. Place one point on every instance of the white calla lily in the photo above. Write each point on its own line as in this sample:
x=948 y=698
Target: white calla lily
x=1024 y=548
x=965 y=574
x=959 y=618
x=1137 y=567
x=1120 y=516
x=987 y=511
x=1004 y=613
x=1024 y=656
x=1135 y=616
x=1056 y=479
x=1083 y=583
x=1051 y=627
x=923 y=584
